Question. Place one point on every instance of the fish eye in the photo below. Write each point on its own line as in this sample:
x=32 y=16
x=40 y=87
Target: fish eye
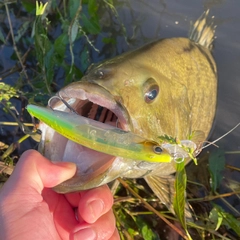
x=151 y=93
x=157 y=149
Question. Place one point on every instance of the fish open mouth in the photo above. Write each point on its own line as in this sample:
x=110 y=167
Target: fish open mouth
x=96 y=112
x=94 y=102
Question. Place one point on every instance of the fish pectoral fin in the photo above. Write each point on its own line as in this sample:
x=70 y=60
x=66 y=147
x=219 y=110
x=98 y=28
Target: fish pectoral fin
x=198 y=136
x=164 y=189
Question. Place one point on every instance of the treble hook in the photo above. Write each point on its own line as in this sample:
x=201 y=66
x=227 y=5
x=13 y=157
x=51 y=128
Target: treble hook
x=64 y=102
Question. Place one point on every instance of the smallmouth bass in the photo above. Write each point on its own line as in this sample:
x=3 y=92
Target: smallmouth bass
x=167 y=87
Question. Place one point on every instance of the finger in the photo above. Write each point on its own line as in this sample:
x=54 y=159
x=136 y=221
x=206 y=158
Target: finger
x=115 y=235
x=62 y=211
x=94 y=203
x=35 y=171
x=73 y=198
x=103 y=228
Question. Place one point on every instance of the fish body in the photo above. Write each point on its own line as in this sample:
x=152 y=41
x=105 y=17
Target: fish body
x=167 y=87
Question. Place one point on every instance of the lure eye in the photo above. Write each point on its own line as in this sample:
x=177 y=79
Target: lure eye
x=157 y=149
x=151 y=94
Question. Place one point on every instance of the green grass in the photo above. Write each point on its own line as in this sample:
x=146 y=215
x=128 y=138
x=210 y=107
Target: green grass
x=46 y=57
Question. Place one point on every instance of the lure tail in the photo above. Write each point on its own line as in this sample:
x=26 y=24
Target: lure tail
x=203 y=31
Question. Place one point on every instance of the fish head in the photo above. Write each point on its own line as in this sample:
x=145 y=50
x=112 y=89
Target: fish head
x=136 y=92
x=154 y=104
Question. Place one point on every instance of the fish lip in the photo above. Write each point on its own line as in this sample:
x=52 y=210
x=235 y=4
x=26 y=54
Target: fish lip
x=98 y=95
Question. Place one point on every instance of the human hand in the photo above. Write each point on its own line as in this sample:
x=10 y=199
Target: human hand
x=30 y=209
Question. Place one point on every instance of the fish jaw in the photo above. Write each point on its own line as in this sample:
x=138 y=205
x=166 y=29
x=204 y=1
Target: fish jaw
x=93 y=168
x=77 y=92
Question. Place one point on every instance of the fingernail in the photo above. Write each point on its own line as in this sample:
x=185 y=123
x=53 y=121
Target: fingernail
x=86 y=234
x=96 y=207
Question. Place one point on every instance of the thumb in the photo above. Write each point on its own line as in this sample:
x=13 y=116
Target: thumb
x=35 y=171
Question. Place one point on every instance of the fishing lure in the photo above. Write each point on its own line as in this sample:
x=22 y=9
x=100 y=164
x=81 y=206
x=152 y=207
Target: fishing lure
x=99 y=136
